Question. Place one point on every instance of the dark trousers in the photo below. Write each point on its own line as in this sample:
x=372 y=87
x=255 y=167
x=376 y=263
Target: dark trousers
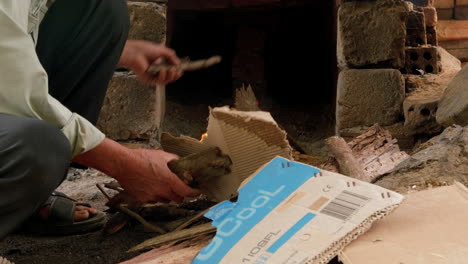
x=79 y=45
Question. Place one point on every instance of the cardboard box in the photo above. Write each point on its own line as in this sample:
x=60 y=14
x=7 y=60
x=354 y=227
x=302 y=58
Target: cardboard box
x=251 y=139
x=428 y=227
x=289 y=212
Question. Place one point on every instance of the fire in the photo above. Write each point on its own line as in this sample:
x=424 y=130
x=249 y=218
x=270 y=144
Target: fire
x=203 y=136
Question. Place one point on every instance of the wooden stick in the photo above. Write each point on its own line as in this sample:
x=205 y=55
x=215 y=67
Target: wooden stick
x=181 y=235
x=199 y=169
x=142 y=221
x=192 y=220
x=344 y=155
x=185 y=65
x=103 y=191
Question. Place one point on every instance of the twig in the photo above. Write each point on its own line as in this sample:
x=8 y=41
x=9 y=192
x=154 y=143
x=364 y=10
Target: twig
x=142 y=221
x=185 y=65
x=192 y=220
x=103 y=191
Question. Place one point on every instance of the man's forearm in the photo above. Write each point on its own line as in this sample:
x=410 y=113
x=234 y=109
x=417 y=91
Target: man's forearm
x=108 y=157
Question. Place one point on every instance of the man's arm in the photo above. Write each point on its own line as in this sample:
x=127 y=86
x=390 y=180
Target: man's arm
x=143 y=173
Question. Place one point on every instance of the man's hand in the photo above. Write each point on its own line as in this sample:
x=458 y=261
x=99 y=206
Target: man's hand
x=138 y=55
x=143 y=173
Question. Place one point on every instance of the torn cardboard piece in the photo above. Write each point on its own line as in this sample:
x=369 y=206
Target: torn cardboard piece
x=251 y=139
x=289 y=212
x=428 y=227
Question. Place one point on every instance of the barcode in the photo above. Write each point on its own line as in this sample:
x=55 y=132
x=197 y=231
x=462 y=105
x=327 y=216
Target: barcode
x=344 y=205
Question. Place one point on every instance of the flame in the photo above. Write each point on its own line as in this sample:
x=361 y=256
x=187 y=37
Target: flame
x=203 y=136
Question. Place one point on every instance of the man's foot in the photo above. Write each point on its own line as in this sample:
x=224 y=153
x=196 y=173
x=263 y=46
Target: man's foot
x=81 y=213
x=61 y=215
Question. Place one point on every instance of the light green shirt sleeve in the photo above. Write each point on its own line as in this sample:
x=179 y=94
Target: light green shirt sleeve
x=24 y=82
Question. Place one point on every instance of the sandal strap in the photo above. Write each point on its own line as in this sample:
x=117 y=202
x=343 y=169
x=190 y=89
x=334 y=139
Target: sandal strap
x=62 y=210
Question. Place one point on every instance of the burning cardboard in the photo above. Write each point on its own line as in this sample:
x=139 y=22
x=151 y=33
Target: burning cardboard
x=289 y=212
x=251 y=139
x=428 y=227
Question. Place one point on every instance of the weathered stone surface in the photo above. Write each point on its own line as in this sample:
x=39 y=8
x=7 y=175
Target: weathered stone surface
x=453 y=107
x=372 y=33
x=148 y=21
x=444 y=4
x=131 y=109
x=461 y=2
x=431 y=36
x=366 y=97
x=461 y=12
x=440 y=161
x=422 y=2
x=420 y=114
x=422 y=60
x=430 y=16
x=416 y=29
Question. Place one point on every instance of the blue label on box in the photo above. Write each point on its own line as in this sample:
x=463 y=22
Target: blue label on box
x=257 y=198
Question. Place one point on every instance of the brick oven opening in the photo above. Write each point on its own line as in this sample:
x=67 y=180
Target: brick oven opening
x=285 y=49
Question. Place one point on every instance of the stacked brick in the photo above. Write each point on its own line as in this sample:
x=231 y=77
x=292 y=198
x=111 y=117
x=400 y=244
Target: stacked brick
x=131 y=109
x=379 y=42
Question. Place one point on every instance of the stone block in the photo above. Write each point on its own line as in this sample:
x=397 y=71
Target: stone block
x=422 y=2
x=445 y=13
x=147 y=21
x=444 y=4
x=431 y=36
x=461 y=2
x=461 y=12
x=416 y=29
x=131 y=109
x=372 y=33
x=370 y=96
x=420 y=114
x=453 y=107
x=452 y=30
x=430 y=16
x=422 y=60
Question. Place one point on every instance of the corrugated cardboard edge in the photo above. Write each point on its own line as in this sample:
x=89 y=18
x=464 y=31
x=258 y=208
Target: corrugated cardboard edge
x=337 y=246
x=251 y=139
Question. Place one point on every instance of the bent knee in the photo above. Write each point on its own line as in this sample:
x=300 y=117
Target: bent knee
x=38 y=142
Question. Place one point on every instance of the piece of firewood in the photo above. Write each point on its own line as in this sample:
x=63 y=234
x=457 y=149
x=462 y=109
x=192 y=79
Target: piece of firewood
x=185 y=65
x=173 y=253
x=349 y=166
x=199 y=169
x=176 y=236
x=375 y=151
